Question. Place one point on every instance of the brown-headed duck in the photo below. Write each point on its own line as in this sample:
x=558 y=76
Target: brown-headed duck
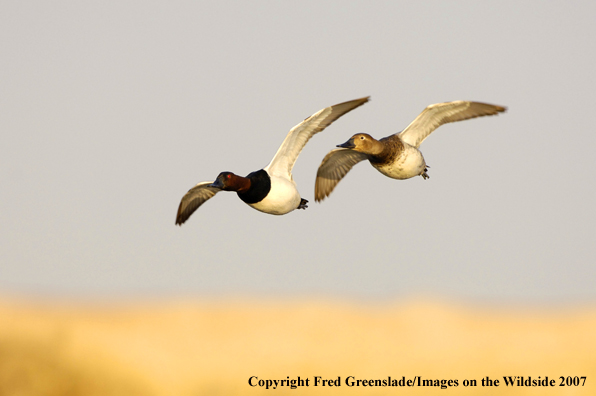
x=396 y=156
x=271 y=189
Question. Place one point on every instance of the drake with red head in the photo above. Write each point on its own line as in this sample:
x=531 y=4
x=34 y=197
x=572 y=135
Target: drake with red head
x=271 y=189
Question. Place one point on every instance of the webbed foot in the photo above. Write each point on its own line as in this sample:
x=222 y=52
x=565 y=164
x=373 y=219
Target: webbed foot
x=424 y=174
x=303 y=204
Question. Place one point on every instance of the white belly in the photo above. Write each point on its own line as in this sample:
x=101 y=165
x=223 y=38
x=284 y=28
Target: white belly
x=409 y=164
x=282 y=198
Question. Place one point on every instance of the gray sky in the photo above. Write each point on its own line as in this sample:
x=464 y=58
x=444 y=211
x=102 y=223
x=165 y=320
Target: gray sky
x=111 y=111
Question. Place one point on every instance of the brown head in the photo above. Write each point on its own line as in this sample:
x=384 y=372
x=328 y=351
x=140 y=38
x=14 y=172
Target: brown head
x=228 y=181
x=364 y=143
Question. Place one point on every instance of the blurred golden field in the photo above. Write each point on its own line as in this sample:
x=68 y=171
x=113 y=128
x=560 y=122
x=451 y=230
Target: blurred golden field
x=214 y=347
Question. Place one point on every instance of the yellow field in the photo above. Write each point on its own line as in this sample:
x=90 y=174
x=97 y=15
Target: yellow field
x=213 y=348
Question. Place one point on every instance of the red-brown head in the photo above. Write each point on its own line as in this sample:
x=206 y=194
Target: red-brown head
x=228 y=181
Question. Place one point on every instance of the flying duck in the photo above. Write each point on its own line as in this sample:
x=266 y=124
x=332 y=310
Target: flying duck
x=396 y=156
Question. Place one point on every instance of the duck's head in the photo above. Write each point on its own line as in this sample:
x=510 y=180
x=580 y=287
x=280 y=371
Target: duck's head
x=228 y=181
x=361 y=142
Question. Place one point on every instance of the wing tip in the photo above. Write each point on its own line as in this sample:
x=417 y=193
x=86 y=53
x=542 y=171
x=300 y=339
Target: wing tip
x=495 y=108
x=322 y=191
x=180 y=218
x=319 y=197
x=357 y=102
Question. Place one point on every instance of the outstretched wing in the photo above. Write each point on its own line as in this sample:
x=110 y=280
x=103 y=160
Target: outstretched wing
x=442 y=113
x=283 y=161
x=194 y=198
x=336 y=164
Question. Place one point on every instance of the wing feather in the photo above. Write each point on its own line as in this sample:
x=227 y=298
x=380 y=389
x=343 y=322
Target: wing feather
x=287 y=154
x=442 y=113
x=194 y=198
x=336 y=164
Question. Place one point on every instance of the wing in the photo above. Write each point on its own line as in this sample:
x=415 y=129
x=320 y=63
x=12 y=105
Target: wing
x=442 y=113
x=194 y=198
x=283 y=161
x=334 y=167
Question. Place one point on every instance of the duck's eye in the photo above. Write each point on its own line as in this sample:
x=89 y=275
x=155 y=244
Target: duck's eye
x=228 y=176
x=361 y=137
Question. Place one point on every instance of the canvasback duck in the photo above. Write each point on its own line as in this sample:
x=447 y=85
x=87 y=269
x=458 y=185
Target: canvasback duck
x=396 y=156
x=271 y=189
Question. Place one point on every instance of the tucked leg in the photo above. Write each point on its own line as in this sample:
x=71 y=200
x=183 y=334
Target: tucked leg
x=424 y=174
x=303 y=204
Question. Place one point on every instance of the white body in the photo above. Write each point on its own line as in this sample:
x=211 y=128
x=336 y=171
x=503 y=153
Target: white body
x=409 y=164
x=283 y=197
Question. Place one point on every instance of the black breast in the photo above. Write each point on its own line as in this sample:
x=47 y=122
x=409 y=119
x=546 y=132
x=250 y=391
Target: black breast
x=260 y=185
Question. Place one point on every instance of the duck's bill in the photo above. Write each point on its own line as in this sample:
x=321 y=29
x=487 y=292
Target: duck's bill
x=217 y=184
x=349 y=144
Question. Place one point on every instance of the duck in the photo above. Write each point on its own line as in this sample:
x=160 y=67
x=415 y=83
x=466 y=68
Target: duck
x=396 y=156
x=272 y=189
